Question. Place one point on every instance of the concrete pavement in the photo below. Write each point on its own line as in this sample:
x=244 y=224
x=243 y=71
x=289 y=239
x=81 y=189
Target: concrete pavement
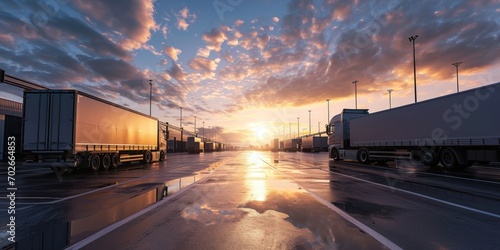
x=244 y=204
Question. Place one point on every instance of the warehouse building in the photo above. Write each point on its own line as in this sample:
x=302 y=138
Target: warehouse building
x=10 y=125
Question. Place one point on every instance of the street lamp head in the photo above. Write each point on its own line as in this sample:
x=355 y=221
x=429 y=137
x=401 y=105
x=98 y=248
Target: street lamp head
x=355 y=81
x=150 y=82
x=413 y=38
x=456 y=64
x=390 y=90
x=327 y=100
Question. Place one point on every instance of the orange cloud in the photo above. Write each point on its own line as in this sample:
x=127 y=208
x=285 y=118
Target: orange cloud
x=172 y=52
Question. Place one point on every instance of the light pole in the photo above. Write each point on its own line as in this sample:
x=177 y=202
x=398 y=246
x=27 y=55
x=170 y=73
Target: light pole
x=181 y=118
x=328 y=104
x=456 y=66
x=412 y=39
x=298 y=128
x=356 y=93
x=390 y=90
x=195 y=134
x=203 y=131
x=290 y=130
x=209 y=133
x=150 y=94
x=318 y=127
x=309 y=122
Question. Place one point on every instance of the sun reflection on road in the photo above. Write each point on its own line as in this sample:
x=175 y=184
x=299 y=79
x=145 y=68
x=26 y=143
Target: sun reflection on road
x=255 y=177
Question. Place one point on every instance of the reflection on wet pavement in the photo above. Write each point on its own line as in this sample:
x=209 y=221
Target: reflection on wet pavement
x=75 y=219
x=354 y=206
x=82 y=227
x=329 y=229
x=208 y=215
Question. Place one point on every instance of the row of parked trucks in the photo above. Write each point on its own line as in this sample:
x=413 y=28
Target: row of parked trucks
x=196 y=145
x=68 y=128
x=454 y=131
x=304 y=144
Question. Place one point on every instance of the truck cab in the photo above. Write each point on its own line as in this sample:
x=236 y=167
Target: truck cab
x=338 y=131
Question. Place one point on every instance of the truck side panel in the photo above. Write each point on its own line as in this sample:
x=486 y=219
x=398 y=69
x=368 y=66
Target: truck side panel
x=101 y=126
x=467 y=118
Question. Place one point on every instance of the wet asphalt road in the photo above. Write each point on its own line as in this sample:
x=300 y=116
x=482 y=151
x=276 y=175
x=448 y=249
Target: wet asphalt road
x=264 y=200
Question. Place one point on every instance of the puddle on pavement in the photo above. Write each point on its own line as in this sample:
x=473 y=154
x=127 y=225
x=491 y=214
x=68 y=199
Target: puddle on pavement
x=176 y=185
x=210 y=216
x=59 y=233
x=86 y=226
x=302 y=211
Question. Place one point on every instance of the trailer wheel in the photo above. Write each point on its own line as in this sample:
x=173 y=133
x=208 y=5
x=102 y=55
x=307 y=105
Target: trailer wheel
x=105 y=162
x=428 y=157
x=115 y=160
x=148 y=157
x=162 y=155
x=363 y=156
x=448 y=159
x=94 y=162
x=335 y=155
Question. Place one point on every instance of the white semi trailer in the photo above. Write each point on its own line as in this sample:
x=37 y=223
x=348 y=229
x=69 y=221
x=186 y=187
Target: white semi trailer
x=314 y=144
x=68 y=128
x=455 y=130
x=291 y=145
x=194 y=145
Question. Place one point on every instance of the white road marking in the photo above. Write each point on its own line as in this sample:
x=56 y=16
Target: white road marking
x=120 y=223
x=424 y=173
x=380 y=238
x=422 y=196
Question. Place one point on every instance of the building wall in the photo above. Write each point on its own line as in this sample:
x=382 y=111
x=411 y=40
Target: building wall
x=10 y=125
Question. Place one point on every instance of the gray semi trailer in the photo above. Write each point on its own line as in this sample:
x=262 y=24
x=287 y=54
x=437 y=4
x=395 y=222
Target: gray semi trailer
x=455 y=130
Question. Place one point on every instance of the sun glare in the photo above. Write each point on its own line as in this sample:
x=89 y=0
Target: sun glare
x=260 y=132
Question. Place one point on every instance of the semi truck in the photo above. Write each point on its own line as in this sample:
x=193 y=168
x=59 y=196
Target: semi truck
x=72 y=129
x=291 y=145
x=314 y=143
x=194 y=145
x=275 y=145
x=455 y=130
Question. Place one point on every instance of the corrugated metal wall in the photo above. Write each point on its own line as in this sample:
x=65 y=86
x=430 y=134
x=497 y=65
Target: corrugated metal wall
x=11 y=108
x=10 y=125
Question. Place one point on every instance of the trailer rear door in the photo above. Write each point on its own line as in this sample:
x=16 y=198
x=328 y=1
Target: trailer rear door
x=48 y=121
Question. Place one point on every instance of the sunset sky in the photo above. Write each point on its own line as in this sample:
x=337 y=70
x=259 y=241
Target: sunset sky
x=250 y=68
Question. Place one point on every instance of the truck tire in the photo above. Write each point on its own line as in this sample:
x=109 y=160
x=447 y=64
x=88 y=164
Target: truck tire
x=363 y=156
x=162 y=155
x=448 y=159
x=94 y=162
x=105 y=162
x=148 y=157
x=115 y=160
x=428 y=157
x=335 y=155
